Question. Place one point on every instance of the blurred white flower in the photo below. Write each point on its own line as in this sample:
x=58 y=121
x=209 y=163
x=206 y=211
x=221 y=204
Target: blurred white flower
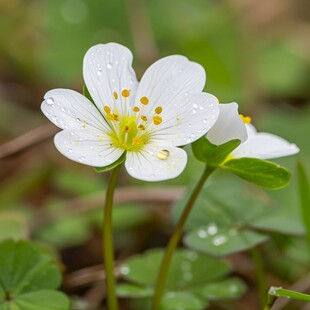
x=147 y=120
x=232 y=125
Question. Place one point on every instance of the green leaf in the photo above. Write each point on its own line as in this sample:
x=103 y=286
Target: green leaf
x=259 y=172
x=182 y=301
x=304 y=196
x=211 y=154
x=134 y=291
x=113 y=165
x=188 y=269
x=44 y=299
x=188 y=276
x=225 y=289
x=221 y=242
x=28 y=278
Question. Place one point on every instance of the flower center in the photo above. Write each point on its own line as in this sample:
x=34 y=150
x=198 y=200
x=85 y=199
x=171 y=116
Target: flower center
x=129 y=132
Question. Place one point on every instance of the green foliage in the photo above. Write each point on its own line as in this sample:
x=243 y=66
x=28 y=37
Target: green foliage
x=211 y=154
x=12 y=225
x=228 y=215
x=193 y=279
x=28 y=278
x=259 y=172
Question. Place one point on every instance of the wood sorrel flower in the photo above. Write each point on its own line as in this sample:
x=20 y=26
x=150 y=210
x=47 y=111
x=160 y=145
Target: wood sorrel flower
x=147 y=120
x=232 y=125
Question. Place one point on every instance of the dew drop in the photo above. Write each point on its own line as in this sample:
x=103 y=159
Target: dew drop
x=62 y=109
x=109 y=65
x=202 y=234
x=70 y=151
x=50 y=101
x=212 y=229
x=195 y=106
x=194 y=111
x=81 y=159
x=163 y=154
x=125 y=270
x=99 y=72
x=220 y=240
x=192 y=256
x=205 y=121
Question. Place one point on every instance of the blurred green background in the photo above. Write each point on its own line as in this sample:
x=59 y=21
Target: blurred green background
x=256 y=53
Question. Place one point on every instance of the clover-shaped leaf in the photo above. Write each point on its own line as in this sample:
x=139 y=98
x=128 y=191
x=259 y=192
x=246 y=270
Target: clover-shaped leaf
x=28 y=278
x=189 y=276
x=232 y=216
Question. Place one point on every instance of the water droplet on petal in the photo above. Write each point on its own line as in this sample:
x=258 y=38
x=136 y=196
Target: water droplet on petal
x=62 y=109
x=219 y=240
x=192 y=256
x=70 y=151
x=109 y=65
x=81 y=159
x=50 y=101
x=99 y=72
x=195 y=106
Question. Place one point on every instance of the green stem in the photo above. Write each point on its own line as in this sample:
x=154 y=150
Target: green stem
x=260 y=275
x=108 y=249
x=175 y=238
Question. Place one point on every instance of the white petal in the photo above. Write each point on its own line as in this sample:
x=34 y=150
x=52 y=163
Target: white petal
x=265 y=146
x=186 y=121
x=69 y=109
x=146 y=165
x=168 y=81
x=228 y=126
x=107 y=69
x=251 y=130
x=86 y=148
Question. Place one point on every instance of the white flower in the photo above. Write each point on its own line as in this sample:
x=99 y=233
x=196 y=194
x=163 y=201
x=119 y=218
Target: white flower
x=230 y=125
x=147 y=120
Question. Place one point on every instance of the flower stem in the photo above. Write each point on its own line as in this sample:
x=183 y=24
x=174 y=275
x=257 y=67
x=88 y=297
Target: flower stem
x=107 y=238
x=260 y=275
x=175 y=238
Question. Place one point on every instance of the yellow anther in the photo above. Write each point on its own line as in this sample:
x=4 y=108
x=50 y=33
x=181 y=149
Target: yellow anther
x=136 y=140
x=158 y=110
x=84 y=124
x=144 y=118
x=127 y=128
x=141 y=127
x=115 y=95
x=136 y=109
x=112 y=117
x=163 y=154
x=157 y=119
x=245 y=119
x=107 y=109
x=125 y=93
x=144 y=100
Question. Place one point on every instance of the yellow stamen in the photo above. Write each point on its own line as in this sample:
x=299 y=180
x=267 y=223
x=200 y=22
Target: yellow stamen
x=157 y=119
x=136 y=140
x=136 y=109
x=158 y=110
x=245 y=119
x=115 y=95
x=127 y=128
x=112 y=117
x=144 y=100
x=141 y=127
x=144 y=118
x=163 y=154
x=125 y=93
x=107 y=109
